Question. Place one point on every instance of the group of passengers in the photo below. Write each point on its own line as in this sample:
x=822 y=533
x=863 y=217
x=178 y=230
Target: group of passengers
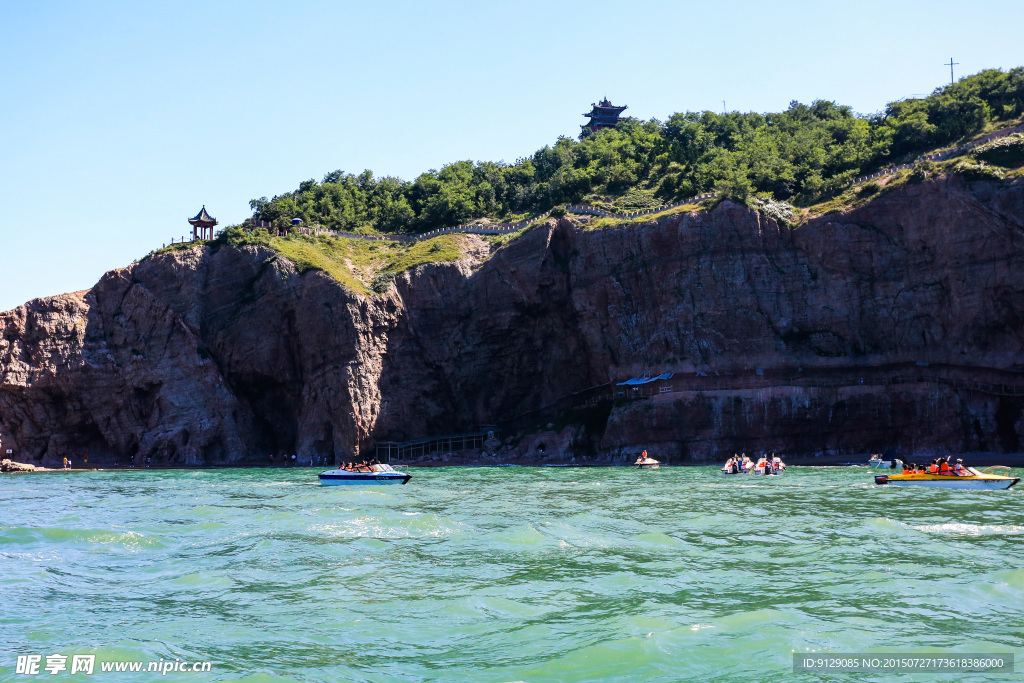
x=939 y=466
x=770 y=463
x=738 y=464
x=364 y=466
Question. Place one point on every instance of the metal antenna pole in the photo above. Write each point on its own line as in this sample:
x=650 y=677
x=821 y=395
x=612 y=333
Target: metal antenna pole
x=723 y=107
x=951 y=64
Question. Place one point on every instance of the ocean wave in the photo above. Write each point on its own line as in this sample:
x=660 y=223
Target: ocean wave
x=962 y=529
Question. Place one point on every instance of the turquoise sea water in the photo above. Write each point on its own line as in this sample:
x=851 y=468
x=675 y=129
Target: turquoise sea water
x=510 y=574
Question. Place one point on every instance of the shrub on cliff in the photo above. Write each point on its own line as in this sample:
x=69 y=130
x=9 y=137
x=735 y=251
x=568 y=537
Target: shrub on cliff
x=922 y=171
x=382 y=282
x=978 y=171
x=780 y=211
x=1008 y=151
x=635 y=200
x=237 y=235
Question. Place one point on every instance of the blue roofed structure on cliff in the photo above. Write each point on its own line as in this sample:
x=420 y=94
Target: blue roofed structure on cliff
x=603 y=115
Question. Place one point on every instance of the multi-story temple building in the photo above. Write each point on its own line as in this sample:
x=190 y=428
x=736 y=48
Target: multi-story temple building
x=603 y=115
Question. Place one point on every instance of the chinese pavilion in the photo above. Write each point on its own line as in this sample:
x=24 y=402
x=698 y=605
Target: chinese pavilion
x=603 y=115
x=202 y=225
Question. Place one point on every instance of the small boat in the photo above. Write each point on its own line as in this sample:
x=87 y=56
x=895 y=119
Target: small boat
x=971 y=479
x=646 y=462
x=378 y=474
x=770 y=466
x=736 y=466
x=879 y=463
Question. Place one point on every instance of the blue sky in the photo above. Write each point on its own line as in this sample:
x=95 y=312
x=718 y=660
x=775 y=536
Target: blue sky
x=119 y=120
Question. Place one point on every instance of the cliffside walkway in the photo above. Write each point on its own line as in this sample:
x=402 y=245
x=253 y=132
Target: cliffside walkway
x=984 y=380
x=945 y=154
x=987 y=381
x=386 y=450
x=586 y=209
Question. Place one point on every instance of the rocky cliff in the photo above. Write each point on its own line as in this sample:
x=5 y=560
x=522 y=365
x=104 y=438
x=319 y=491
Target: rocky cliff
x=897 y=325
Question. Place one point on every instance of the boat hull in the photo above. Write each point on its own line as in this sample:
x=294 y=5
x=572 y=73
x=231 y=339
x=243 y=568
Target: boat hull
x=940 y=482
x=362 y=479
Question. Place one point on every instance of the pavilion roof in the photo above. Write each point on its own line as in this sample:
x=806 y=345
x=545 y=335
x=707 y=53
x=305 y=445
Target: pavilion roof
x=606 y=107
x=203 y=218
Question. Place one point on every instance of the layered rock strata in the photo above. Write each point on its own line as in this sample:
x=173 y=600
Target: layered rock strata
x=897 y=325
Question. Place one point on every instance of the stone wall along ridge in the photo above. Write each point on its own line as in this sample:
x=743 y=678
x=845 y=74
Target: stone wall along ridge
x=504 y=228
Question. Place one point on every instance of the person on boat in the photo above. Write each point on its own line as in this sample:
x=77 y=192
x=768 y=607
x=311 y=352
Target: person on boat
x=959 y=469
x=934 y=467
x=943 y=466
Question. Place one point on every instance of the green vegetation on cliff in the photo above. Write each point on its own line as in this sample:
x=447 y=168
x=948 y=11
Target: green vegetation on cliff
x=365 y=265
x=803 y=155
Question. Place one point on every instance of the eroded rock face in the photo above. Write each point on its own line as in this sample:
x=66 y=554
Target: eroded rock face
x=202 y=357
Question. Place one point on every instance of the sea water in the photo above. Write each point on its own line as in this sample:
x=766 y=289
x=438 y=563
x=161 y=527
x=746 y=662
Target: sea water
x=502 y=574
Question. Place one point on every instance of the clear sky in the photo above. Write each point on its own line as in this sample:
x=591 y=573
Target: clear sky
x=119 y=120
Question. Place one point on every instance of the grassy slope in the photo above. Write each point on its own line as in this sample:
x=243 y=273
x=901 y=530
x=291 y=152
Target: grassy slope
x=354 y=262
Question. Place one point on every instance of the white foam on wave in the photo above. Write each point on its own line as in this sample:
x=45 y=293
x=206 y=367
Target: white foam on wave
x=968 y=529
x=372 y=527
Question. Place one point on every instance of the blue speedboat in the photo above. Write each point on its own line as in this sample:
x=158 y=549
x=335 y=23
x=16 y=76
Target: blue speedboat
x=372 y=474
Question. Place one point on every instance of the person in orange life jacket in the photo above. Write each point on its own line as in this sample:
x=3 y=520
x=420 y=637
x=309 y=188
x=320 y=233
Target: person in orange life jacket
x=943 y=466
x=959 y=468
x=934 y=467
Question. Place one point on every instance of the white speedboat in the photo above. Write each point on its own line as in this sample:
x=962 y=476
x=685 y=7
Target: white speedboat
x=772 y=466
x=372 y=474
x=647 y=463
x=736 y=466
x=879 y=464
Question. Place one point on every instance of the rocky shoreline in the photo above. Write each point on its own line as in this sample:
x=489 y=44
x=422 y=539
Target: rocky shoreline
x=985 y=459
x=11 y=466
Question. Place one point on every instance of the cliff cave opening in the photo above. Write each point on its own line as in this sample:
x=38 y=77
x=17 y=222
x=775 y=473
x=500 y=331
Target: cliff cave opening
x=1007 y=415
x=273 y=407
